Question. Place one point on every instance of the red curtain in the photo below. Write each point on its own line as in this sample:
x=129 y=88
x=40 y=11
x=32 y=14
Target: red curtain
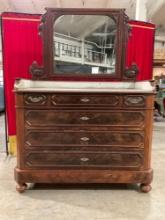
x=21 y=46
x=140 y=48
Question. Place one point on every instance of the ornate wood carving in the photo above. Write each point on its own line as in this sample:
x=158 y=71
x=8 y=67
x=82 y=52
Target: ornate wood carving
x=35 y=99
x=130 y=100
x=37 y=71
x=131 y=72
x=41 y=26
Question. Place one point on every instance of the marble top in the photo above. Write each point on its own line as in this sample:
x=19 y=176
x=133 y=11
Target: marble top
x=73 y=86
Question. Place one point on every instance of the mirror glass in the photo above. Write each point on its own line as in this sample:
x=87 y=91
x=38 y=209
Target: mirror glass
x=85 y=44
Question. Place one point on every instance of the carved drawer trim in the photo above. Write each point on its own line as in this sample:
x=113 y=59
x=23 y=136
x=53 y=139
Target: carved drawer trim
x=35 y=99
x=135 y=101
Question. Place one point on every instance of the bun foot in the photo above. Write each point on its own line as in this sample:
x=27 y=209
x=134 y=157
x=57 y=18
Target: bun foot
x=145 y=188
x=21 y=187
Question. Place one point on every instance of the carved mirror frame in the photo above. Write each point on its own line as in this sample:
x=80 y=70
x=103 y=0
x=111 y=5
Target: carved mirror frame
x=46 y=31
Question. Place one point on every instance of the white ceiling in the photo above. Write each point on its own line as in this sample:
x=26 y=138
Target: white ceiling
x=37 y=6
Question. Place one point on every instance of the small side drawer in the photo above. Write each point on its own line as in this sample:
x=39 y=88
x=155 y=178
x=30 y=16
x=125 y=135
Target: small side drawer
x=134 y=101
x=85 y=99
x=35 y=99
x=52 y=159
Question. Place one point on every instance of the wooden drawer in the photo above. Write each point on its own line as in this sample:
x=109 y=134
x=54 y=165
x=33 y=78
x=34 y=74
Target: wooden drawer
x=85 y=99
x=80 y=100
x=53 y=159
x=48 y=118
x=86 y=140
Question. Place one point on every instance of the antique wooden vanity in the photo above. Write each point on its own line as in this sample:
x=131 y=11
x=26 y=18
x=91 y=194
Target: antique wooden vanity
x=83 y=118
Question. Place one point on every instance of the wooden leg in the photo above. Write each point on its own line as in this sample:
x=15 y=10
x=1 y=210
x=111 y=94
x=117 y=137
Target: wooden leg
x=21 y=187
x=145 y=187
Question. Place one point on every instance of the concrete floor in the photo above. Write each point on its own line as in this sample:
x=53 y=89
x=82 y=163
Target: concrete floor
x=112 y=203
x=2 y=133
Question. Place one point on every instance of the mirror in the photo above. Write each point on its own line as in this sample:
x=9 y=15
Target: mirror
x=84 y=44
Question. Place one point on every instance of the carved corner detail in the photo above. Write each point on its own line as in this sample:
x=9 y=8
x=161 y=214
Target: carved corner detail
x=131 y=72
x=37 y=71
x=41 y=26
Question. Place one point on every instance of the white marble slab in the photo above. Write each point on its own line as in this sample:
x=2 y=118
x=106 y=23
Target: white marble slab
x=31 y=85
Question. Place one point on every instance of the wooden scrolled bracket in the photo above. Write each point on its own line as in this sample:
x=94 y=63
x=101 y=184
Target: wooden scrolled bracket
x=129 y=28
x=40 y=29
x=131 y=72
x=36 y=71
x=41 y=26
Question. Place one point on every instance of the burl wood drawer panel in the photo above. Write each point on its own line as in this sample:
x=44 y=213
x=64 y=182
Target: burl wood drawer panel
x=52 y=159
x=84 y=99
x=44 y=118
x=49 y=139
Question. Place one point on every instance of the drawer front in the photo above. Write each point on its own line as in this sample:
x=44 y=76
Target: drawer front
x=117 y=160
x=44 y=118
x=81 y=100
x=73 y=140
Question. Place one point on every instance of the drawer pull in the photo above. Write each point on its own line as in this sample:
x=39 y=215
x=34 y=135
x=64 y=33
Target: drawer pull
x=84 y=159
x=85 y=100
x=84 y=139
x=85 y=118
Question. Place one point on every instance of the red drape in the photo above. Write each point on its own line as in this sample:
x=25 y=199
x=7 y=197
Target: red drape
x=140 y=48
x=21 y=46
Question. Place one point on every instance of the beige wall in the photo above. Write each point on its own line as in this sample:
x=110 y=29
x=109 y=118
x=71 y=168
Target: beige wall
x=158 y=71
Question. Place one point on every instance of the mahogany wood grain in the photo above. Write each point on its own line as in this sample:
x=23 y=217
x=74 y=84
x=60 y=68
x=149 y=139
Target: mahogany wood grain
x=83 y=176
x=72 y=144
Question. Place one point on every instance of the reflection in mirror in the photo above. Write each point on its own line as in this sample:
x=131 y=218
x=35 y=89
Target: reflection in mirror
x=85 y=44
